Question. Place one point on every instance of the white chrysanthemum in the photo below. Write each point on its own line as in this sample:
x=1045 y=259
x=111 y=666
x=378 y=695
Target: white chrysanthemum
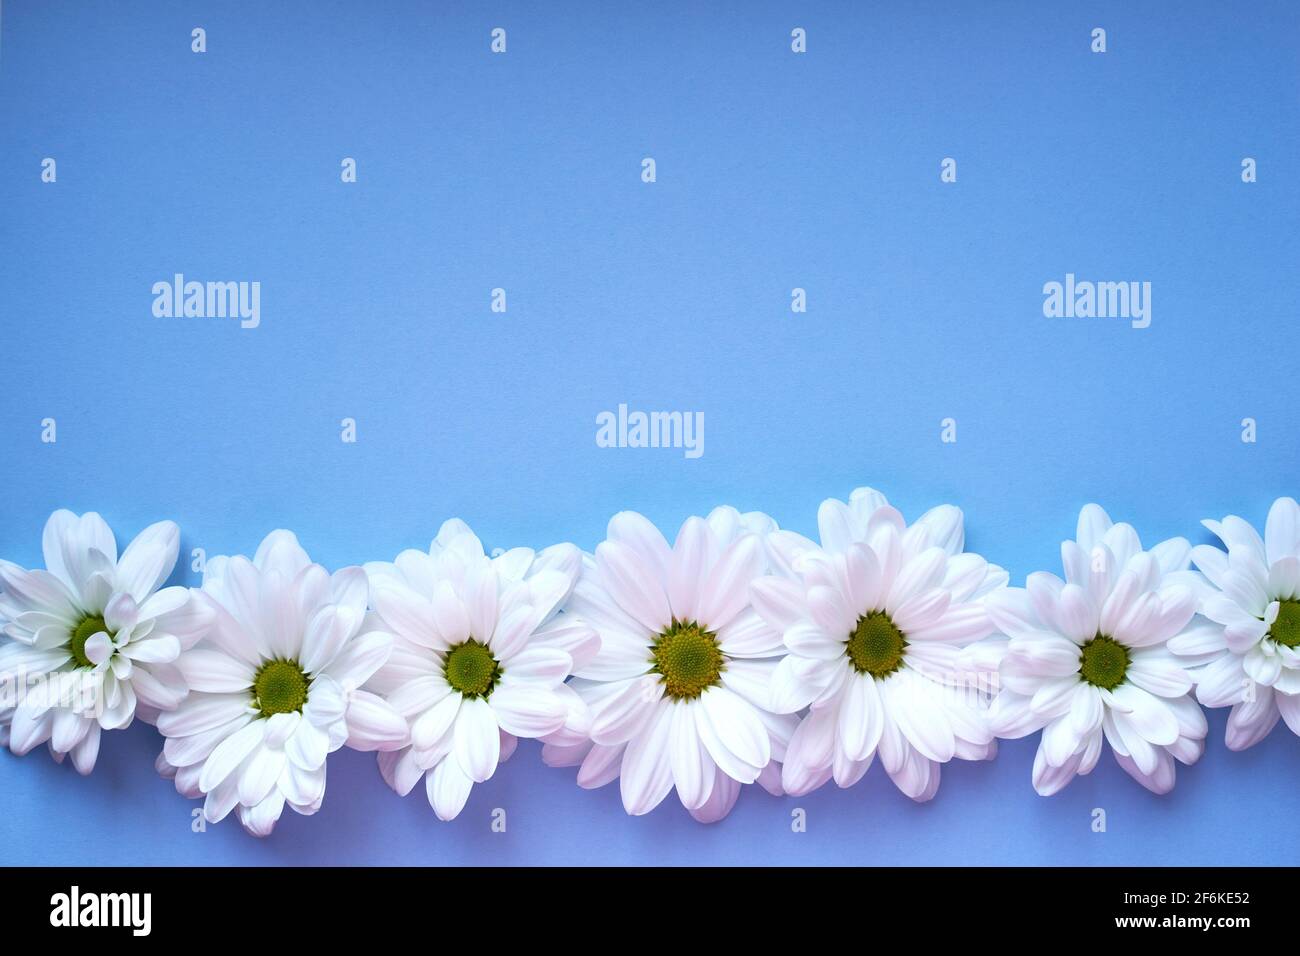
x=480 y=659
x=1250 y=656
x=273 y=686
x=95 y=633
x=1089 y=657
x=884 y=625
x=678 y=693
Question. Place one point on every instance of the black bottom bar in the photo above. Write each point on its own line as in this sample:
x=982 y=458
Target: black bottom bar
x=607 y=907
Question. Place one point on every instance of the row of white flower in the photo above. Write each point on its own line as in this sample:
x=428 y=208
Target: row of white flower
x=740 y=653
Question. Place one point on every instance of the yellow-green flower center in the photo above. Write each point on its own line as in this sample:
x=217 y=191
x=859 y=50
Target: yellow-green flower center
x=1104 y=662
x=90 y=625
x=280 y=687
x=876 y=645
x=688 y=659
x=1286 y=629
x=471 y=669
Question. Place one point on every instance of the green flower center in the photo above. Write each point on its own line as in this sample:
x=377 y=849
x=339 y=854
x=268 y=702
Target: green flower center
x=280 y=687
x=1104 y=662
x=688 y=658
x=90 y=625
x=1286 y=629
x=471 y=669
x=876 y=645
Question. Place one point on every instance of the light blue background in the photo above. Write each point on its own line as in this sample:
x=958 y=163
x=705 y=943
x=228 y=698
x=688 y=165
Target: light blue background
x=522 y=171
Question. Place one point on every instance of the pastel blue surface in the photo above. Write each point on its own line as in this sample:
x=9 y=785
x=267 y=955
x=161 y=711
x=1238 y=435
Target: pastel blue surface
x=522 y=171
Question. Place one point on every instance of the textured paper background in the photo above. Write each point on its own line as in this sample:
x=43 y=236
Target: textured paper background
x=521 y=171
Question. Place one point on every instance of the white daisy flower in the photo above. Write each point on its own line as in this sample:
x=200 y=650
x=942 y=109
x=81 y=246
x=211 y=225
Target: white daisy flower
x=882 y=624
x=1249 y=656
x=1089 y=657
x=480 y=658
x=679 y=690
x=274 y=686
x=96 y=632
